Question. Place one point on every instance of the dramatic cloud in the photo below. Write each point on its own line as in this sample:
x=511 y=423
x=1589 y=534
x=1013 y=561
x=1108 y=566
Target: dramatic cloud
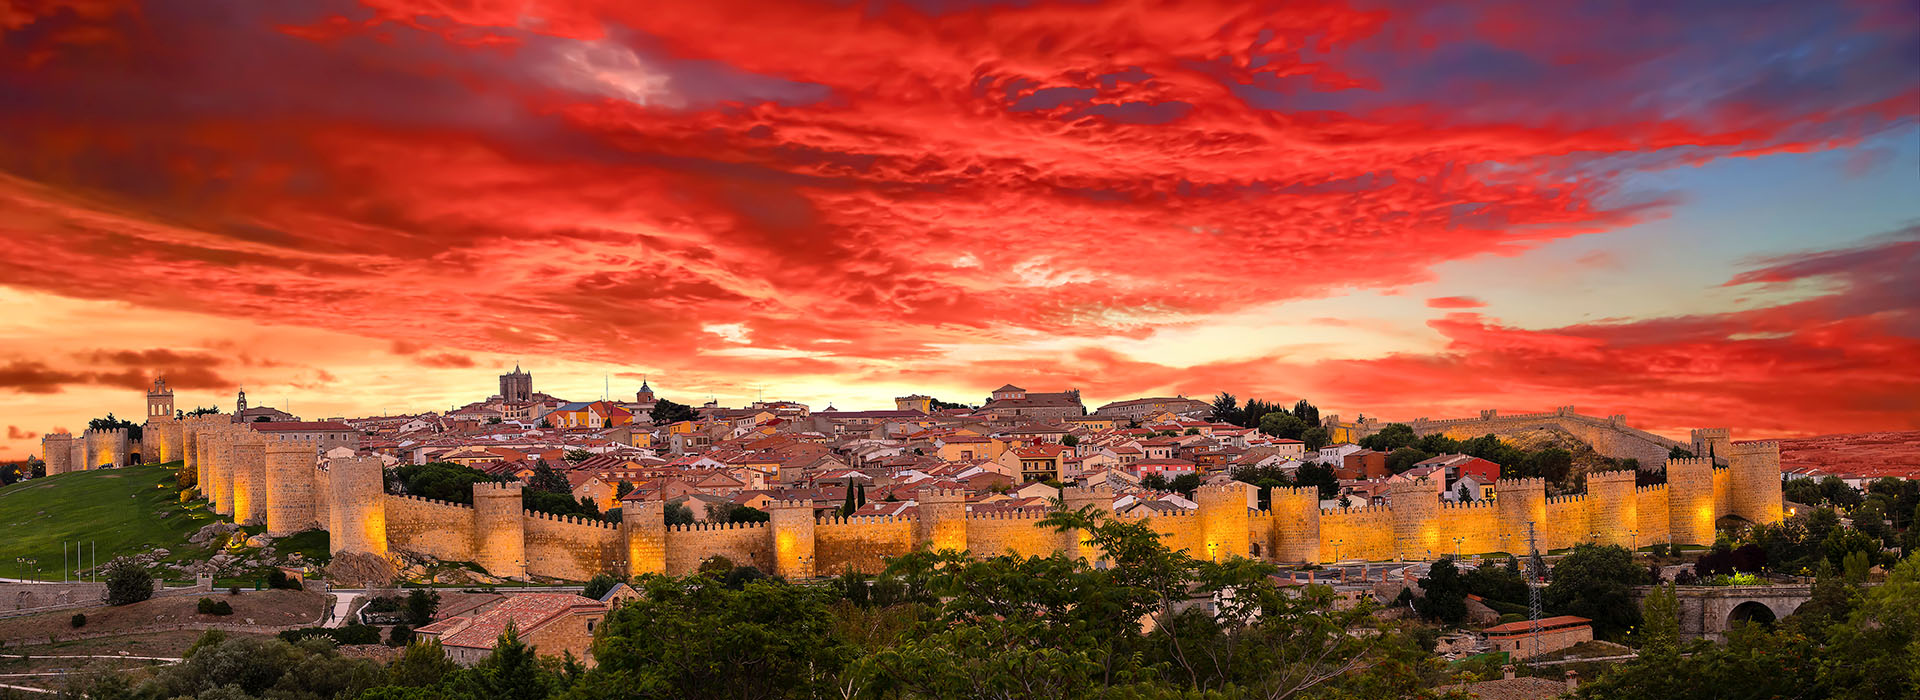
x=15 y=433
x=736 y=191
x=1455 y=303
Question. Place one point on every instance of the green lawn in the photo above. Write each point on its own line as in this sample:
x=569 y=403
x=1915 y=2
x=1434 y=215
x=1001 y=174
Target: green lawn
x=119 y=511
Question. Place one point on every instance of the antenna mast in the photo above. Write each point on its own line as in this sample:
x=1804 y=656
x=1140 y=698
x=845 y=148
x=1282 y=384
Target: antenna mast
x=1534 y=574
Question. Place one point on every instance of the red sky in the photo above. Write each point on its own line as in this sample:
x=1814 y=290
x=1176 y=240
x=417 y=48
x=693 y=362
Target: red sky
x=1694 y=216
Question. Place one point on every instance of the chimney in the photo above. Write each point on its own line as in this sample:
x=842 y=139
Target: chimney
x=1573 y=680
x=1506 y=672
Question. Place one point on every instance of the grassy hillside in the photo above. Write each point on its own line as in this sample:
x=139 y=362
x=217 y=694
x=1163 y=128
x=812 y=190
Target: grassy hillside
x=121 y=511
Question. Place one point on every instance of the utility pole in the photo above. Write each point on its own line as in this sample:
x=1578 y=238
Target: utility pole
x=1533 y=590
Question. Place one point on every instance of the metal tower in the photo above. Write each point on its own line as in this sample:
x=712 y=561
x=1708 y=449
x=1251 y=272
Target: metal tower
x=1534 y=576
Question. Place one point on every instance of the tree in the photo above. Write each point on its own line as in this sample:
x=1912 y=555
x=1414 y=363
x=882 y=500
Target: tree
x=421 y=604
x=546 y=478
x=1283 y=425
x=1226 y=409
x=1444 y=593
x=621 y=489
x=599 y=585
x=1595 y=582
x=678 y=514
x=1306 y=412
x=1659 y=630
x=1070 y=441
x=665 y=412
x=441 y=481
x=421 y=664
x=701 y=641
x=848 y=507
x=1155 y=482
x=1318 y=475
x=1392 y=436
x=1185 y=483
x=112 y=423
x=511 y=672
x=127 y=582
x=1316 y=437
x=1403 y=459
x=578 y=455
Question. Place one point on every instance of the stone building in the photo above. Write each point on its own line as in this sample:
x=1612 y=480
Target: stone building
x=516 y=385
x=553 y=623
x=1011 y=401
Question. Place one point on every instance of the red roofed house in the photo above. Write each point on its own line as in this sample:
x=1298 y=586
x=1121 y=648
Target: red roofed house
x=552 y=623
x=1555 y=633
x=329 y=434
x=1043 y=462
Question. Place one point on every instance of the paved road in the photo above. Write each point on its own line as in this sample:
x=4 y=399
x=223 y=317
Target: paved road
x=342 y=604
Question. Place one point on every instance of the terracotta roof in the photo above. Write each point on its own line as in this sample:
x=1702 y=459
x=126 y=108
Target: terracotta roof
x=297 y=426
x=1545 y=623
x=526 y=612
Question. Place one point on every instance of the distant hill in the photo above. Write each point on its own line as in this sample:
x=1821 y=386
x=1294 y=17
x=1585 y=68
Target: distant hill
x=1584 y=458
x=1869 y=454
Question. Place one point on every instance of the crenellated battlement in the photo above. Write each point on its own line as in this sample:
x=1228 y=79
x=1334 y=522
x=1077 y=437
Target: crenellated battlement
x=715 y=527
x=1567 y=499
x=1755 y=447
x=569 y=519
x=786 y=504
x=1520 y=484
x=1688 y=462
x=1368 y=509
x=429 y=501
x=861 y=520
x=1292 y=492
x=940 y=496
x=1478 y=504
x=1021 y=514
x=494 y=489
x=1650 y=488
x=1612 y=477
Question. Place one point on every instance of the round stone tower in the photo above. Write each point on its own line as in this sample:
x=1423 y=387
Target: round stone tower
x=1416 y=526
x=1296 y=515
x=1690 y=509
x=1517 y=502
x=218 y=453
x=1223 y=520
x=290 y=502
x=1074 y=542
x=793 y=552
x=249 y=478
x=357 y=520
x=499 y=530
x=942 y=522
x=1612 y=509
x=1754 y=478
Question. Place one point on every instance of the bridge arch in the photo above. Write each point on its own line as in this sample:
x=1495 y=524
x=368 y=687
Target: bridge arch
x=1752 y=611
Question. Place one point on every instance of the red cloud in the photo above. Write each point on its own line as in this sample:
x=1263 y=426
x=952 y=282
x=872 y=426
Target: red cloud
x=1455 y=303
x=15 y=433
x=848 y=182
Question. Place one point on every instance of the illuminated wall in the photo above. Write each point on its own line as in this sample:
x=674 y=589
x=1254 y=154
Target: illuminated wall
x=508 y=541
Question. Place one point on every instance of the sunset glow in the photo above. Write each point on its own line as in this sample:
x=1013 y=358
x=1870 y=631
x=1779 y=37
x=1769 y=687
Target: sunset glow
x=1694 y=214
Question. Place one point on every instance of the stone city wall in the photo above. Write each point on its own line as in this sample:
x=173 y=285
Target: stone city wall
x=347 y=496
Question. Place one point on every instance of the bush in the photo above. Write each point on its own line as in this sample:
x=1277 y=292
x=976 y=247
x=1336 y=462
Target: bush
x=353 y=633
x=79 y=620
x=278 y=579
x=127 y=583
x=209 y=606
x=233 y=590
x=399 y=636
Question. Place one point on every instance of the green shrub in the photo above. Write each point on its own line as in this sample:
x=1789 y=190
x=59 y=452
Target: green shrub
x=128 y=583
x=209 y=606
x=399 y=635
x=278 y=579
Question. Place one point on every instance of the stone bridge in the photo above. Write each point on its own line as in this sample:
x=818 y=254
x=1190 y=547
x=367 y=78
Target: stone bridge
x=1709 y=611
